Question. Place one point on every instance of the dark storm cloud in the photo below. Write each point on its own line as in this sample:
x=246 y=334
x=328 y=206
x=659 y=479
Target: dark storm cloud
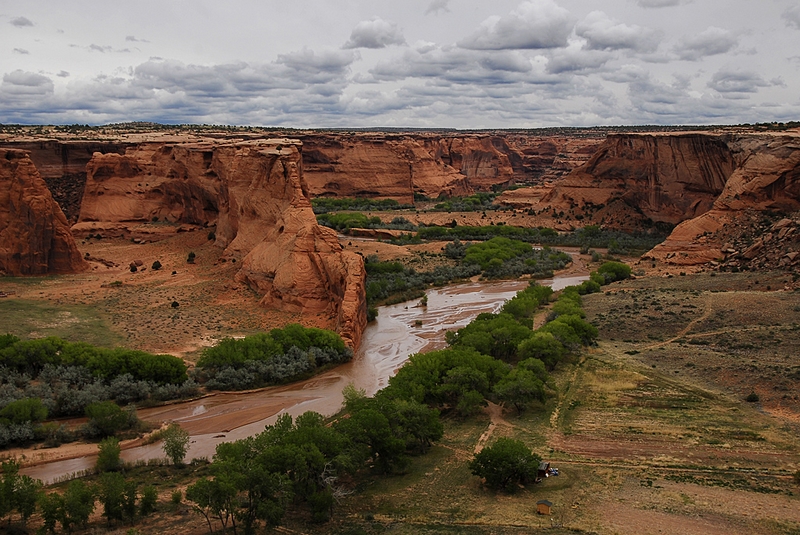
x=604 y=33
x=536 y=24
x=375 y=33
x=20 y=22
x=710 y=42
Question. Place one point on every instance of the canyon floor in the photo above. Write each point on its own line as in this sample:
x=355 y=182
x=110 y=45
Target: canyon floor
x=650 y=429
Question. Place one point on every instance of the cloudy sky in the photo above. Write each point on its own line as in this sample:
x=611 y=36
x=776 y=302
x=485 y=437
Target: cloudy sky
x=417 y=63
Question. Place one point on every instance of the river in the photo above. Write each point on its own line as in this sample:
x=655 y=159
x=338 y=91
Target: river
x=399 y=331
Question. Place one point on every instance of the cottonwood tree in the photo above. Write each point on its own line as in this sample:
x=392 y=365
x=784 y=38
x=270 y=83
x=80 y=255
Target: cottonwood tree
x=506 y=463
x=176 y=443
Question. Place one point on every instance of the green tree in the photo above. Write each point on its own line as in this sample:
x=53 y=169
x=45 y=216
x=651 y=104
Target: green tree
x=106 y=418
x=148 y=501
x=26 y=495
x=108 y=459
x=52 y=507
x=520 y=388
x=112 y=495
x=176 y=443
x=79 y=500
x=213 y=498
x=506 y=463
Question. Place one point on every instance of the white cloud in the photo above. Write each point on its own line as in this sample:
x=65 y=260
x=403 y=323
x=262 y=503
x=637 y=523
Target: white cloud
x=536 y=24
x=710 y=42
x=792 y=17
x=21 y=51
x=375 y=33
x=659 y=3
x=21 y=22
x=604 y=33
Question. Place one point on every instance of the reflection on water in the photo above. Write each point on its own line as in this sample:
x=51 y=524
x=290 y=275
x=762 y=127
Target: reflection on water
x=399 y=331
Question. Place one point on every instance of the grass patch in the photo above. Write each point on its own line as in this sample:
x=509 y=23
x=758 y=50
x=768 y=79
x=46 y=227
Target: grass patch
x=75 y=323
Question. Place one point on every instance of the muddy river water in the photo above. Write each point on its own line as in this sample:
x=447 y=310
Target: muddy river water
x=399 y=331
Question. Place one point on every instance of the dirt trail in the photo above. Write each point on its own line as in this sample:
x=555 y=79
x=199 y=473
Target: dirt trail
x=495 y=413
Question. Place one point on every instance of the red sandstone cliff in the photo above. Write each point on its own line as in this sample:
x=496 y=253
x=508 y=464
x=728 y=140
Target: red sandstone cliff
x=766 y=178
x=255 y=195
x=700 y=181
x=396 y=166
x=34 y=234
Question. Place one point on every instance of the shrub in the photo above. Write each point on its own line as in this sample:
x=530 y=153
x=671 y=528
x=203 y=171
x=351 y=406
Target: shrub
x=752 y=397
x=149 y=500
x=24 y=410
x=106 y=418
x=191 y=257
x=156 y=265
x=108 y=455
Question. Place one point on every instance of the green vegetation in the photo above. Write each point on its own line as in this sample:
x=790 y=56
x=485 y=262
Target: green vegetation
x=343 y=222
x=324 y=205
x=176 y=443
x=590 y=236
x=279 y=356
x=391 y=282
x=50 y=377
x=505 y=464
x=473 y=203
x=21 y=317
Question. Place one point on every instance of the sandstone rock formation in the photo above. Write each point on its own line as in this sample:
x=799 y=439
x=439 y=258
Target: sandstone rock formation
x=35 y=238
x=703 y=182
x=254 y=194
x=387 y=165
x=766 y=178
x=664 y=177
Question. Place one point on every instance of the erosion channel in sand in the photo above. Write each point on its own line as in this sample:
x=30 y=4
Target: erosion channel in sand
x=399 y=331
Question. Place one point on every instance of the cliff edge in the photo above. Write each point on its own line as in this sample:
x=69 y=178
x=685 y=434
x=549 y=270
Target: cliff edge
x=35 y=238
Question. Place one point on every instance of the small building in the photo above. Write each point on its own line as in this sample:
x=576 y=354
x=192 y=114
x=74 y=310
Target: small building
x=543 y=468
x=543 y=507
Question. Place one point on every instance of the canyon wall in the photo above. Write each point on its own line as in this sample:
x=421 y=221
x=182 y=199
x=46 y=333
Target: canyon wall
x=664 y=177
x=398 y=165
x=255 y=195
x=701 y=182
x=35 y=238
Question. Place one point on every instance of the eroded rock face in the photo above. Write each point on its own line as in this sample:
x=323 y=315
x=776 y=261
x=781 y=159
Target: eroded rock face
x=666 y=177
x=35 y=238
x=396 y=166
x=255 y=195
x=766 y=178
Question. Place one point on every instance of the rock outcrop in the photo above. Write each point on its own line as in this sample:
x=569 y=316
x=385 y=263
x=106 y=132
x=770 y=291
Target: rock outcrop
x=701 y=182
x=396 y=166
x=254 y=194
x=35 y=238
x=664 y=177
x=766 y=179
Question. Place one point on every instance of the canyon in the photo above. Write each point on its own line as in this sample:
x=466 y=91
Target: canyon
x=250 y=192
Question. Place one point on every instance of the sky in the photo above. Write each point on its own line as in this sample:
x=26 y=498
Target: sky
x=464 y=64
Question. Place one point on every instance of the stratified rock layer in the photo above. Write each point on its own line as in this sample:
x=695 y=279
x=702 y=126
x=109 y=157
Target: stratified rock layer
x=384 y=165
x=35 y=238
x=702 y=182
x=255 y=195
